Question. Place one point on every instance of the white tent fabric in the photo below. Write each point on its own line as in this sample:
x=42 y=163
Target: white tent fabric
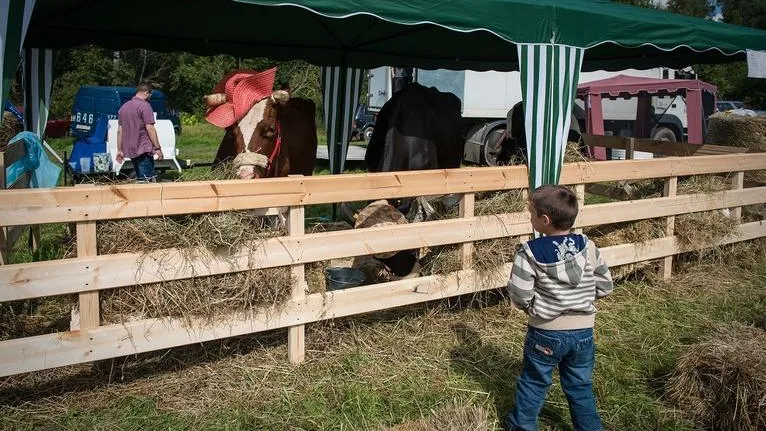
x=549 y=76
x=340 y=94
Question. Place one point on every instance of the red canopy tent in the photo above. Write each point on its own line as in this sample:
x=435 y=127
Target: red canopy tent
x=631 y=86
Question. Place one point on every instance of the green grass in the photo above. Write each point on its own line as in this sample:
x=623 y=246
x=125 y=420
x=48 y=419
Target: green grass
x=391 y=367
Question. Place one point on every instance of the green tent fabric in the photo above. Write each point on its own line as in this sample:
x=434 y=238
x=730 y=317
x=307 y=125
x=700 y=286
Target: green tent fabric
x=14 y=20
x=458 y=35
x=549 y=77
x=340 y=93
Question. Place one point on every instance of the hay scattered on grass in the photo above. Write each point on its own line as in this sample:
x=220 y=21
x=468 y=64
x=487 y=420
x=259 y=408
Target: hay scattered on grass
x=720 y=382
x=34 y=317
x=209 y=298
x=456 y=418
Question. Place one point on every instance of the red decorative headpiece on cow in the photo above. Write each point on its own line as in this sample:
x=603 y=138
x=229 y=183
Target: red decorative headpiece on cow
x=243 y=88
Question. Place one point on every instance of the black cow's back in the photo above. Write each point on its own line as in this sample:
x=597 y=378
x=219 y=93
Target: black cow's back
x=419 y=128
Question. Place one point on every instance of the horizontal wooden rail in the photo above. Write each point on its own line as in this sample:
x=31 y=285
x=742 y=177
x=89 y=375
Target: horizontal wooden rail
x=145 y=200
x=24 y=281
x=73 y=347
x=662 y=147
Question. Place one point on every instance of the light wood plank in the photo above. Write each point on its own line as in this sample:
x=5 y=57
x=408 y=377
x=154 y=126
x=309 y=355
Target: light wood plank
x=737 y=182
x=128 y=201
x=89 y=309
x=73 y=347
x=105 y=272
x=670 y=189
x=466 y=210
x=580 y=193
x=296 y=335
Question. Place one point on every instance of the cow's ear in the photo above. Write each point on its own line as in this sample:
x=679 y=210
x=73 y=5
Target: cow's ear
x=280 y=96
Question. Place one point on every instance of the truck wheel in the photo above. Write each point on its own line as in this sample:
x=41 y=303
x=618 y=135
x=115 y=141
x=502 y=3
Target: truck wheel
x=493 y=145
x=664 y=134
x=368 y=133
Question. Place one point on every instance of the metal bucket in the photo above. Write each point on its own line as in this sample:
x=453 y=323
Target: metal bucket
x=343 y=278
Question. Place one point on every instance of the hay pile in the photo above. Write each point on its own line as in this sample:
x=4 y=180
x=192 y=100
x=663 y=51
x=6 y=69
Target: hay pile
x=9 y=127
x=198 y=237
x=720 y=382
x=499 y=202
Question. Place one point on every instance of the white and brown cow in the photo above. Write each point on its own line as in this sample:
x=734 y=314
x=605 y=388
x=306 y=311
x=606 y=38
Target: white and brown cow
x=275 y=138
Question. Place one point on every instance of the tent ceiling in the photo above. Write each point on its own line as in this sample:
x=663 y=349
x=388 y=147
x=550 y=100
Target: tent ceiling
x=461 y=34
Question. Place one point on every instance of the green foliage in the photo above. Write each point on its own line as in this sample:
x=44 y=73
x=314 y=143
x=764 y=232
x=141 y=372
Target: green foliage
x=698 y=8
x=188 y=119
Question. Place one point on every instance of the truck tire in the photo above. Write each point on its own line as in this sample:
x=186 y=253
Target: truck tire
x=492 y=147
x=664 y=134
x=367 y=134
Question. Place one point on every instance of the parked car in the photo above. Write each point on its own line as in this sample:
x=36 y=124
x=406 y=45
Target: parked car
x=364 y=123
x=92 y=101
x=727 y=105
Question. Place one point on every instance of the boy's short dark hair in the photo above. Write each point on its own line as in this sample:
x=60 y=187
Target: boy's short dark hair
x=557 y=202
x=144 y=87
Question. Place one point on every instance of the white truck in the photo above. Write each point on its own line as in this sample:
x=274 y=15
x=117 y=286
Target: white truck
x=487 y=98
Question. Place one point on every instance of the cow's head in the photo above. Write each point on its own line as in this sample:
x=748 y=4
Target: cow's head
x=256 y=135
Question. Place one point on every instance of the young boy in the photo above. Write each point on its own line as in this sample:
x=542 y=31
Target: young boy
x=555 y=280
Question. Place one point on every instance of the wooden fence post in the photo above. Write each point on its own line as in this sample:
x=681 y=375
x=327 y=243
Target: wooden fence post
x=666 y=266
x=89 y=313
x=296 y=342
x=466 y=210
x=580 y=193
x=4 y=252
x=737 y=182
x=630 y=149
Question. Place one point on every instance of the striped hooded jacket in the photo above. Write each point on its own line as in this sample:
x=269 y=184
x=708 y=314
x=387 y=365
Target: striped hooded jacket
x=560 y=295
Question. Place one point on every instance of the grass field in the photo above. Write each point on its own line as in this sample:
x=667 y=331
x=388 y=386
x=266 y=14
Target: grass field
x=390 y=368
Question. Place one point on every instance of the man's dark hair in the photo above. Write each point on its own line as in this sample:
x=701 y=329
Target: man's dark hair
x=557 y=202
x=144 y=86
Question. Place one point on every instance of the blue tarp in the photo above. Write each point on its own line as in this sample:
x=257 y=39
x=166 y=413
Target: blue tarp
x=45 y=174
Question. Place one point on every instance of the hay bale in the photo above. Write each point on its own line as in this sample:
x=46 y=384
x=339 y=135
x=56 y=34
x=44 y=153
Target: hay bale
x=735 y=131
x=9 y=127
x=720 y=382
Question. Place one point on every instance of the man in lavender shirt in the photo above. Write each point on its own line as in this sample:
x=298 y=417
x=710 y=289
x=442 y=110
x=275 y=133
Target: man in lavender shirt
x=136 y=135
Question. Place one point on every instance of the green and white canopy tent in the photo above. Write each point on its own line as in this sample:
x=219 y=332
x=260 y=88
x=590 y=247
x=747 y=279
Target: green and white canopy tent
x=549 y=41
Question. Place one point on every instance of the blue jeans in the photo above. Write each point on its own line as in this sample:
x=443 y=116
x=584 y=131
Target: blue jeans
x=144 y=167
x=574 y=353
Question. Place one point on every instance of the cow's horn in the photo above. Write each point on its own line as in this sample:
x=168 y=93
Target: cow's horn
x=214 y=99
x=280 y=96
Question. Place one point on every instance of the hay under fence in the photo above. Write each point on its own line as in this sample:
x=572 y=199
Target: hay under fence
x=720 y=382
x=195 y=237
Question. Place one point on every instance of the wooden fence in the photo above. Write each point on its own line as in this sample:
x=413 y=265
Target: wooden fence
x=10 y=235
x=89 y=273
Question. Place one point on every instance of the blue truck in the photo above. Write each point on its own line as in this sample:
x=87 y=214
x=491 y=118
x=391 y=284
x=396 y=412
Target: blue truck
x=92 y=102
